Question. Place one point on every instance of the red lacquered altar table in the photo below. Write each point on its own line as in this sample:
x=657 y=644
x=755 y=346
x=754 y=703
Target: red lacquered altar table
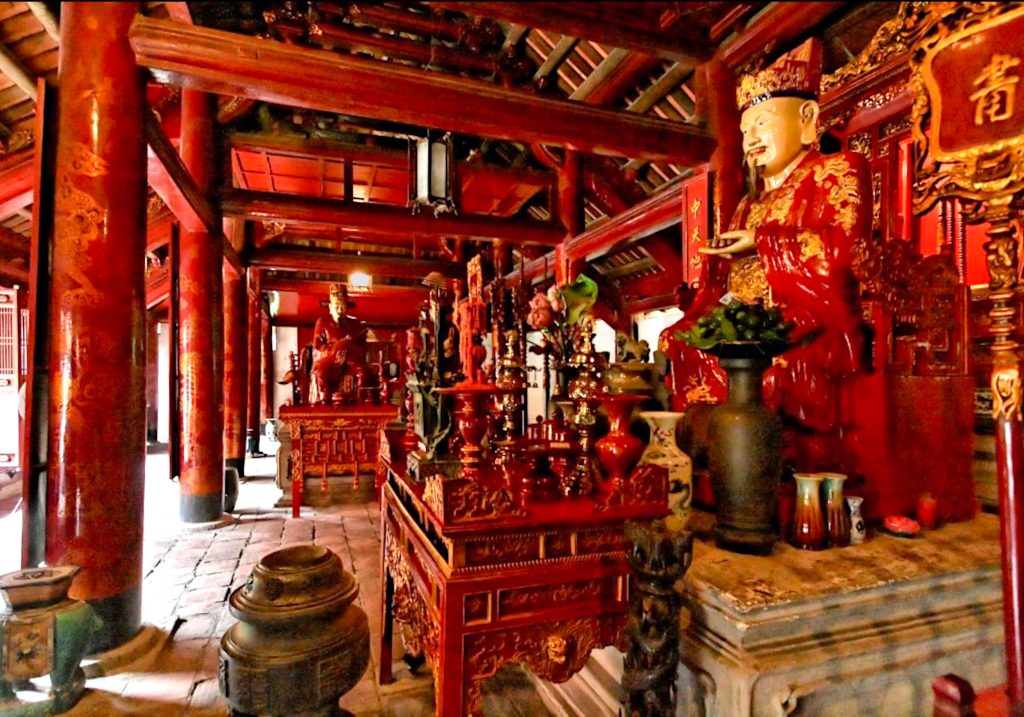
x=333 y=440
x=483 y=580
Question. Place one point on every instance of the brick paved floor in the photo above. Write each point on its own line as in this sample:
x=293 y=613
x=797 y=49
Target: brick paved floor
x=189 y=576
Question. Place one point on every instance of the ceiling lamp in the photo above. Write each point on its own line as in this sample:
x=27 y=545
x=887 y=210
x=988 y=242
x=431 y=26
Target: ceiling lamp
x=360 y=281
x=431 y=162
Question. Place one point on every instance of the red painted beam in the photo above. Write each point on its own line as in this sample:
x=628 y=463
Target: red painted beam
x=782 y=22
x=355 y=217
x=17 y=182
x=228 y=63
x=655 y=213
x=10 y=274
x=310 y=260
x=158 y=290
x=602 y=22
x=186 y=195
x=300 y=285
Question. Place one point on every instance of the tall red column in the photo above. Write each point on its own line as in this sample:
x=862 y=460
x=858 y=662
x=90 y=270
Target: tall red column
x=268 y=367
x=201 y=331
x=254 y=374
x=97 y=404
x=235 y=349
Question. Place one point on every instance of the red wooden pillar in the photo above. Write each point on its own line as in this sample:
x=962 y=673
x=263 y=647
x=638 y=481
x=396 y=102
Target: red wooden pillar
x=253 y=372
x=152 y=374
x=570 y=213
x=201 y=335
x=266 y=329
x=97 y=406
x=235 y=389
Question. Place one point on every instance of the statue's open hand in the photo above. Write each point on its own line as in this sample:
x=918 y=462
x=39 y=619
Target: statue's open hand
x=728 y=243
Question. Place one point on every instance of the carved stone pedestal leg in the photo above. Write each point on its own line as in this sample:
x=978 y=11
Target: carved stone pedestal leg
x=658 y=559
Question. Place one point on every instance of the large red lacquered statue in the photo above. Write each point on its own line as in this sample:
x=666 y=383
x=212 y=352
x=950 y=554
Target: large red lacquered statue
x=791 y=242
x=340 y=369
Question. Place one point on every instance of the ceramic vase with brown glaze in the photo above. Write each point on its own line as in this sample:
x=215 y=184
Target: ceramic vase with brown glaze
x=809 y=531
x=745 y=451
x=837 y=520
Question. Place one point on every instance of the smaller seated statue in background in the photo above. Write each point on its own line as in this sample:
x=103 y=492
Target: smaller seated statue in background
x=339 y=368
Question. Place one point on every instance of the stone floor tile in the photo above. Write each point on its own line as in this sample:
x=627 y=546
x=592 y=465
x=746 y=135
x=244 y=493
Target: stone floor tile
x=209 y=566
x=362 y=698
x=205 y=595
x=219 y=579
x=197 y=626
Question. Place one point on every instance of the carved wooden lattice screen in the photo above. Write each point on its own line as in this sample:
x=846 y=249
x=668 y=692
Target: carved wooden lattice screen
x=9 y=350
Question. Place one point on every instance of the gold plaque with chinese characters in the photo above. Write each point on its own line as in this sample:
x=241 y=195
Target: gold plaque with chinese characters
x=968 y=118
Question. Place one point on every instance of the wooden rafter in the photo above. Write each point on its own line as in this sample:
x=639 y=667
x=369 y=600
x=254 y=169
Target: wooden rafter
x=185 y=184
x=587 y=20
x=781 y=22
x=228 y=63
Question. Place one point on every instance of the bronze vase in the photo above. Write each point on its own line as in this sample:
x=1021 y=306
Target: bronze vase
x=745 y=440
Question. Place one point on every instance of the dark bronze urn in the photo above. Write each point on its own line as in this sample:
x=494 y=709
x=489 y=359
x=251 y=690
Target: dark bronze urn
x=300 y=642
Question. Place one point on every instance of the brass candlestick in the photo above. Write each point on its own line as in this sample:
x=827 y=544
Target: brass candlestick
x=585 y=391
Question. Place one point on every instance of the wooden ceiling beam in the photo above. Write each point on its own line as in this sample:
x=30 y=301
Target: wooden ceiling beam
x=665 y=84
x=587 y=21
x=197 y=212
x=17 y=182
x=46 y=18
x=301 y=285
x=280 y=259
x=233 y=64
x=655 y=213
x=11 y=66
x=779 y=23
x=13 y=274
x=554 y=59
x=361 y=216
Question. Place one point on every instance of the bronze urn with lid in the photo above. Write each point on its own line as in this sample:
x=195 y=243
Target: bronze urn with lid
x=301 y=642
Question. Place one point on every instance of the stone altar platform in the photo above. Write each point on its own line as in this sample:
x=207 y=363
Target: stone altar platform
x=861 y=630
x=858 y=630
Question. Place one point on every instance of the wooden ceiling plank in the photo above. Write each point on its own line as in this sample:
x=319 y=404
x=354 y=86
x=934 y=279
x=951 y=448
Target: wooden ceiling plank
x=299 y=146
x=228 y=63
x=45 y=18
x=585 y=20
x=357 y=216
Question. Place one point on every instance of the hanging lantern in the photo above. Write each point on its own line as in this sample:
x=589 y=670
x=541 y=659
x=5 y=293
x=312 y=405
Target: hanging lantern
x=431 y=160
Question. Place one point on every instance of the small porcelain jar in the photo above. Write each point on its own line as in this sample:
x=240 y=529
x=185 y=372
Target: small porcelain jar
x=857 y=529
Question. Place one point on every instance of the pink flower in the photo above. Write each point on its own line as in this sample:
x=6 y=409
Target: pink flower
x=555 y=299
x=540 y=316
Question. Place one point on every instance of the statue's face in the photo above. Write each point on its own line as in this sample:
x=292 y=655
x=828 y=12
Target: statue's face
x=338 y=307
x=776 y=131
